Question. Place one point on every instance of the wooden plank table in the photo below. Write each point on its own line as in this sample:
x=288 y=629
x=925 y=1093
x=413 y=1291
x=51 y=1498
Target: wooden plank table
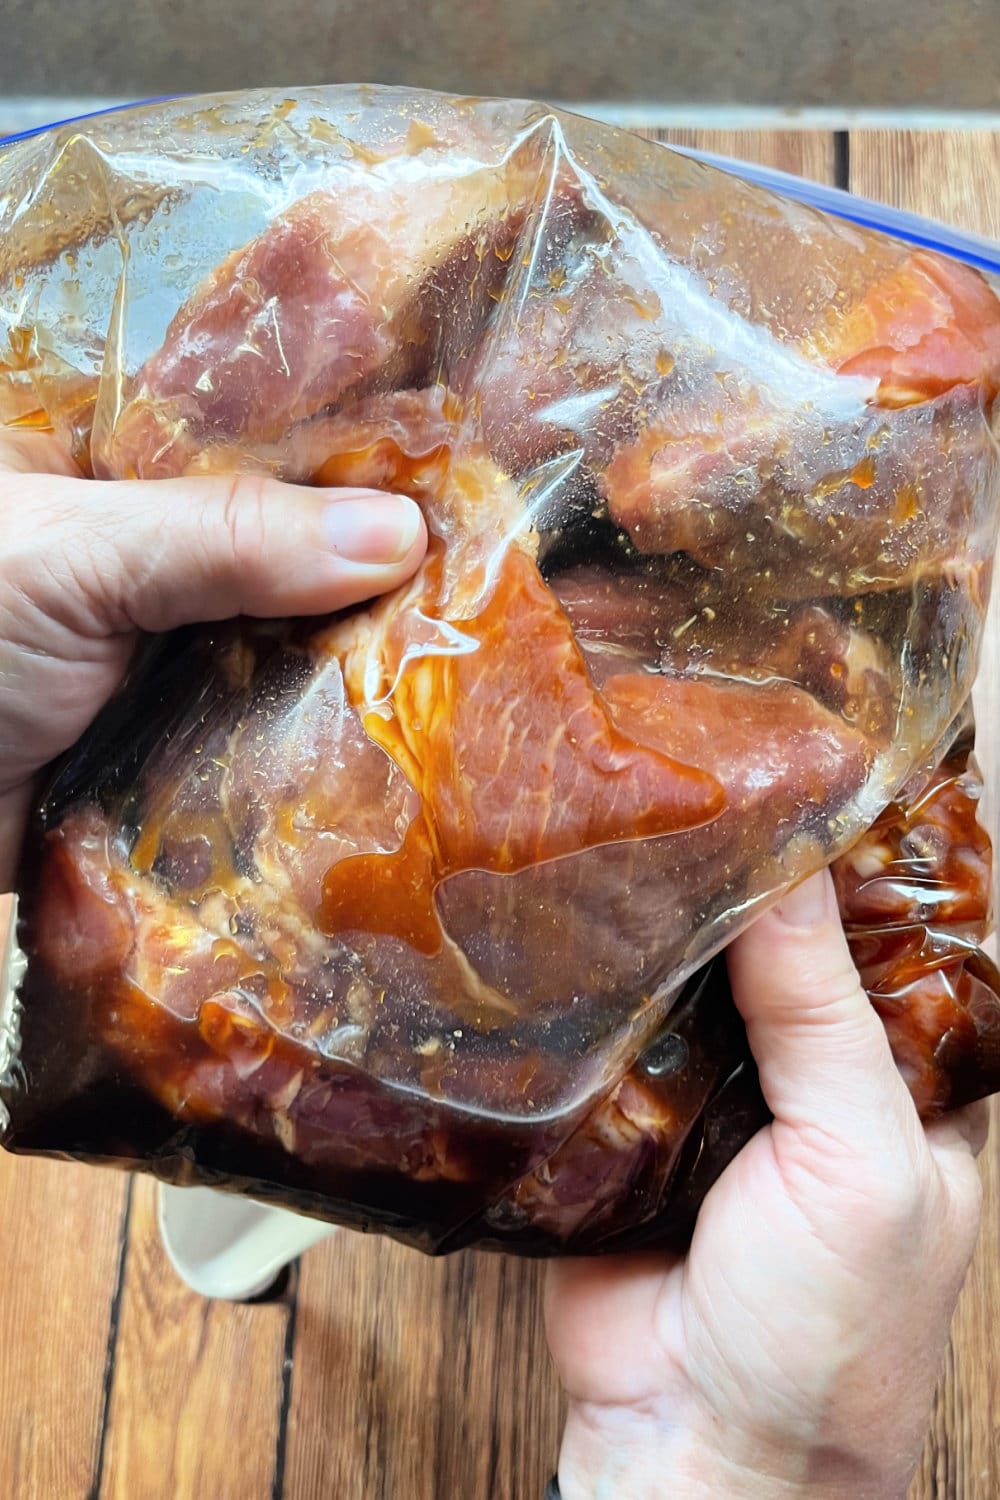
x=378 y=1374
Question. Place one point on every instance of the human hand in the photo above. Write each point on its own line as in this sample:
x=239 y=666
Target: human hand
x=85 y=567
x=794 y=1351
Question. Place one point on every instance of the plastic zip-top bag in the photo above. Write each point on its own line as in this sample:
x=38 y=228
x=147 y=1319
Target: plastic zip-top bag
x=411 y=917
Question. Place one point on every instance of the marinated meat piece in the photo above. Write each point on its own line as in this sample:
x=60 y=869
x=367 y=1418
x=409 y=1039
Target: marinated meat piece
x=920 y=332
x=938 y=1001
x=220 y=1038
x=609 y=329
x=565 y=364
x=213 y=1035
x=252 y=1048
x=630 y=1164
x=89 y=929
x=620 y=916
x=879 y=503
x=802 y=757
x=326 y=300
x=730 y=445
x=688 y=625
x=861 y=499
x=304 y=786
x=927 y=858
x=553 y=777
x=915 y=896
x=641 y=610
x=623 y=1152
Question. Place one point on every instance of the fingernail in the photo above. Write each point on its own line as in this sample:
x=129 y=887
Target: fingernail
x=372 y=529
x=808 y=904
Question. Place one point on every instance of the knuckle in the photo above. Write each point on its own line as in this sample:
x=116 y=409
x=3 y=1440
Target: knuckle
x=43 y=546
x=899 y=1179
x=877 y=1186
x=244 y=518
x=899 y=1198
x=828 y=982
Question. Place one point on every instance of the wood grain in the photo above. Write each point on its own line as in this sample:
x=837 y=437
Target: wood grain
x=955 y=178
x=196 y=1397
x=61 y=1245
x=60 y=1233
x=421 y=1378
x=805 y=153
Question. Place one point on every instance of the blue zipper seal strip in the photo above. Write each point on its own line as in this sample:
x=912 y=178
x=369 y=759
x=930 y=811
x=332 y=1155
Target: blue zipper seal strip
x=96 y=114
x=973 y=249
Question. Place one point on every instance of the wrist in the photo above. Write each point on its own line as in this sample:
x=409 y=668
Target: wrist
x=629 y=1455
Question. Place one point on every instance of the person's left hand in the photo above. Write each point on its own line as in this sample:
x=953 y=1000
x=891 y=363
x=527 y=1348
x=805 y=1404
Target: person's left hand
x=86 y=566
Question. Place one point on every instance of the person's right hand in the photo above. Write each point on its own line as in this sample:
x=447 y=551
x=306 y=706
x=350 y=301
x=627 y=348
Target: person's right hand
x=794 y=1351
x=86 y=566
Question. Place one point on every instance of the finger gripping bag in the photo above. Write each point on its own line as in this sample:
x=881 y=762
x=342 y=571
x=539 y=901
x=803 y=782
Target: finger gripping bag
x=411 y=917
